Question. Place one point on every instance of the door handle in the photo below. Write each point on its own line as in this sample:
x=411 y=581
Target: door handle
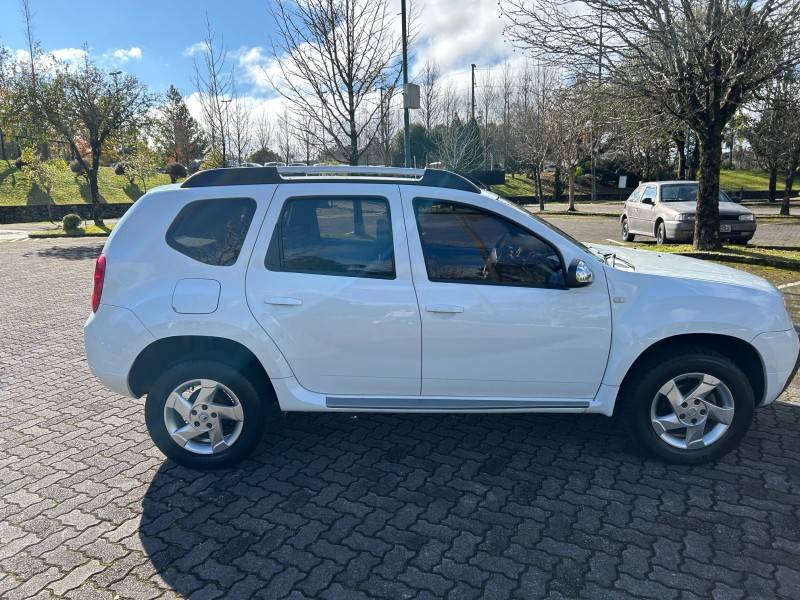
x=444 y=308
x=283 y=301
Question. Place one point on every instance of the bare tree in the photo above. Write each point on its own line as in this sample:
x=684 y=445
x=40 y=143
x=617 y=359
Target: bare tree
x=213 y=83
x=459 y=145
x=240 y=125
x=567 y=130
x=332 y=56
x=699 y=61
x=284 y=136
x=263 y=133
x=506 y=90
x=430 y=108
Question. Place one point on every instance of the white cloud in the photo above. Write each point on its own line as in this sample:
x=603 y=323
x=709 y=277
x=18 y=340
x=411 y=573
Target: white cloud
x=69 y=55
x=123 y=55
x=195 y=48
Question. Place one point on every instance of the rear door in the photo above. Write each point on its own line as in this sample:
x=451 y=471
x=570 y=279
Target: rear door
x=330 y=282
x=632 y=209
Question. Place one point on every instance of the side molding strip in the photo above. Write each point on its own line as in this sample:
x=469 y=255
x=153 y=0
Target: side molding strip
x=449 y=403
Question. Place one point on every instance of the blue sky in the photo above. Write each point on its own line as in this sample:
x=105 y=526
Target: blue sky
x=150 y=38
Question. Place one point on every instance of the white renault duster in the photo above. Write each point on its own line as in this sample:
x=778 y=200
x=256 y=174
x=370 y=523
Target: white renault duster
x=402 y=290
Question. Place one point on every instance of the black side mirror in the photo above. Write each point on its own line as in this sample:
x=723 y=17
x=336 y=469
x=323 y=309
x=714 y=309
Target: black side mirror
x=647 y=201
x=579 y=274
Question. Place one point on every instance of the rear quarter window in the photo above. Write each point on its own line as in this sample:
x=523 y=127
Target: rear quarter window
x=212 y=231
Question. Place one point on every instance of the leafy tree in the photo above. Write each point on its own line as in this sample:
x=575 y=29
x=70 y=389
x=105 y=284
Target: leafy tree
x=420 y=144
x=264 y=155
x=139 y=163
x=178 y=136
x=86 y=103
x=41 y=173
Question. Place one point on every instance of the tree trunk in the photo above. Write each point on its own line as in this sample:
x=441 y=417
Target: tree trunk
x=694 y=163
x=571 y=178
x=94 y=191
x=706 y=227
x=680 y=145
x=557 y=185
x=773 y=184
x=537 y=186
x=794 y=158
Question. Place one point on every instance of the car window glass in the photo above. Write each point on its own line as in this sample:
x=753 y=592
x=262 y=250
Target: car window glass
x=634 y=197
x=649 y=192
x=349 y=237
x=212 y=231
x=465 y=244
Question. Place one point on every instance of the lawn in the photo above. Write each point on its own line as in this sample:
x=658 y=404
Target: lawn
x=521 y=185
x=784 y=258
x=747 y=179
x=68 y=189
x=88 y=231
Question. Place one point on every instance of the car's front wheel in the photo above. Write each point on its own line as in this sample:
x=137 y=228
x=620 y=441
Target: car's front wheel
x=688 y=407
x=627 y=236
x=204 y=414
x=661 y=233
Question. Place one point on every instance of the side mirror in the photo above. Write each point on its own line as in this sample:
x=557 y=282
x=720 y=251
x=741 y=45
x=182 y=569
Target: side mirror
x=647 y=201
x=579 y=274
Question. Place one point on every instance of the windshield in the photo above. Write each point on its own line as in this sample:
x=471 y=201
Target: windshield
x=686 y=192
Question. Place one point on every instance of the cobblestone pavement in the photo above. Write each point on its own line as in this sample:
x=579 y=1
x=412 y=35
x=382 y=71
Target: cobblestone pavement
x=597 y=229
x=333 y=506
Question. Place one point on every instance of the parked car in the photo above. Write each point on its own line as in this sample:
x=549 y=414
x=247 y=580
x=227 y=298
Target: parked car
x=345 y=289
x=666 y=211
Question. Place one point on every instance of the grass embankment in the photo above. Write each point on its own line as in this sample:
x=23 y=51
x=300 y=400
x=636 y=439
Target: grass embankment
x=765 y=256
x=88 y=231
x=16 y=190
x=730 y=180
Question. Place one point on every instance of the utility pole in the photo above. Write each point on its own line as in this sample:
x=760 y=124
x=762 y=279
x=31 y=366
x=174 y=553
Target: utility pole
x=406 y=141
x=472 y=92
x=226 y=126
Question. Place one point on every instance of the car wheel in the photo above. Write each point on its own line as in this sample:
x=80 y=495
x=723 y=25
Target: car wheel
x=689 y=406
x=627 y=236
x=661 y=233
x=204 y=414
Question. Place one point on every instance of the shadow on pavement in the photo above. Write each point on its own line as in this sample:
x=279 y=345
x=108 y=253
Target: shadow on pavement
x=469 y=506
x=71 y=252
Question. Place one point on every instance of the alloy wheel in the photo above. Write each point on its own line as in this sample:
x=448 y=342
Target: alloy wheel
x=692 y=411
x=203 y=416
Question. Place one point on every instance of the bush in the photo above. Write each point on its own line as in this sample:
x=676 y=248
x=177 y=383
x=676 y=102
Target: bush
x=119 y=169
x=71 y=222
x=176 y=171
x=76 y=167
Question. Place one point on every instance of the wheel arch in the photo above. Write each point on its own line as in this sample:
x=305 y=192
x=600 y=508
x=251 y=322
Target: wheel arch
x=166 y=352
x=741 y=352
x=657 y=222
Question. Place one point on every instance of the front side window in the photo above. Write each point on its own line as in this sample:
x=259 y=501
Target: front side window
x=649 y=192
x=634 y=197
x=349 y=237
x=212 y=231
x=465 y=244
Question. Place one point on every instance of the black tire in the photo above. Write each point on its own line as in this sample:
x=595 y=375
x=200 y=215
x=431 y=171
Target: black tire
x=639 y=392
x=627 y=236
x=661 y=233
x=253 y=408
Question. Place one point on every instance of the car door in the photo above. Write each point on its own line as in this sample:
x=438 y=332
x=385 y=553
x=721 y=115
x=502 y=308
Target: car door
x=330 y=282
x=632 y=210
x=647 y=210
x=497 y=319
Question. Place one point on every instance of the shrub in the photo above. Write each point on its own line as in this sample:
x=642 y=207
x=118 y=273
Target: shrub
x=71 y=222
x=176 y=171
x=76 y=167
x=119 y=169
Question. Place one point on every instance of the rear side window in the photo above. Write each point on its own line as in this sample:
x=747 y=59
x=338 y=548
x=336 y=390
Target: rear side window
x=350 y=237
x=212 y=231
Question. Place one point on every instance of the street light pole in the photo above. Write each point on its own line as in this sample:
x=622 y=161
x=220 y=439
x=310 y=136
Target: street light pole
x=406 y=144
x=225 y=128
x=472 y=91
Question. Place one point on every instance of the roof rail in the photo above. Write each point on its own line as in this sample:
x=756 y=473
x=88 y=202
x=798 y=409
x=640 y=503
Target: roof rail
x=339 y=173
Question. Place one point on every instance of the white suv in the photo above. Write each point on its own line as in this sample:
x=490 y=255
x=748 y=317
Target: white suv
x=402 y=290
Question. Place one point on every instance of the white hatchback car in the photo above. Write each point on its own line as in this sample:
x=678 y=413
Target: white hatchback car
x=403 y=290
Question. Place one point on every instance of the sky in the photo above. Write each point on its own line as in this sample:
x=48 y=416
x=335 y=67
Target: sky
x=153 y=39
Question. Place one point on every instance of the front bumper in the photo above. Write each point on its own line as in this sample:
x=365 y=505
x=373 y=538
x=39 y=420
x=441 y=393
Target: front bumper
x=113 y=338
x=780 y=351
x=683 y=231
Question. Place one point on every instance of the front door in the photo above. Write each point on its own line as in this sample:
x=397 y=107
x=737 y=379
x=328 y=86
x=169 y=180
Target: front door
x=497 y=319
x=330 y=282
x=647 y=211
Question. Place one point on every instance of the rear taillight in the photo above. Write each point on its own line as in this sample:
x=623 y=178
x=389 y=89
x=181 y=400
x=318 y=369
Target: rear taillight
x=99 y=277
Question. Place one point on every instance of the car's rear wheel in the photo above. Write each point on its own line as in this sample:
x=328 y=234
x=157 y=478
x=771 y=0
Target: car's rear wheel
x=627 y=236
x=204 y=414
x=661 y=233
x=688 y=407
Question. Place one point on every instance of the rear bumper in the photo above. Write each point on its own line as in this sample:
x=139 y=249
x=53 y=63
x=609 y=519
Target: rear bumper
x=780 y=351
x=113 y=338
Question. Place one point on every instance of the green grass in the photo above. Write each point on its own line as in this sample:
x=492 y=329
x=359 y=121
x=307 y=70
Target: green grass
x=779 y=257
x=747 y=179
x=521 y=185
x=88 y=231
x=16 y=190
